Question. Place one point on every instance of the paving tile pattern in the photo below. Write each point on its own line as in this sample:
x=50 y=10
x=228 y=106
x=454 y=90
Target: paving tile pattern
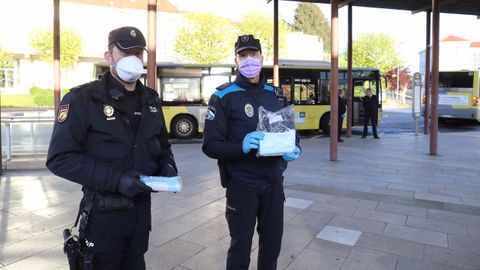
x=409 y=210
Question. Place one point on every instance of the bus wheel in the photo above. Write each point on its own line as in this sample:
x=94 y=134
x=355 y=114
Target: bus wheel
x=325 y=124
x=184 y=127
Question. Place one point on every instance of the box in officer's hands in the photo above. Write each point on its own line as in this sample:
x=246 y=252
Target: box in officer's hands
x=279 y=130
x=161 y=183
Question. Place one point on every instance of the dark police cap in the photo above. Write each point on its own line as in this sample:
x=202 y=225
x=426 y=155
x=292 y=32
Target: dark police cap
x=127 y=38
x=247 y=42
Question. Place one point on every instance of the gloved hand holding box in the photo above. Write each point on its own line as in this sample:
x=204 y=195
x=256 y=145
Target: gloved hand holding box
x=161 y=183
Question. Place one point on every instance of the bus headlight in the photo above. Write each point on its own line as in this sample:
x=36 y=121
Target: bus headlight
x=475 y=101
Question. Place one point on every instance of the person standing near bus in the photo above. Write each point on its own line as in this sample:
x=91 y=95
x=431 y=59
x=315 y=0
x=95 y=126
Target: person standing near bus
x=341 y=112
x=254 y=184
x=107 y=133
x=370 y=112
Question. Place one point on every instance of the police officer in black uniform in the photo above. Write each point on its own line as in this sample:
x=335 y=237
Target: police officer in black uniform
x=107 y=133
x=254 y=184
x=341 y=112
x=370 y=112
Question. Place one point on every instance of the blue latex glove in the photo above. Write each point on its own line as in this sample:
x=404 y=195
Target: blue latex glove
x=293 y=155
x=252 y=141
x=343 y=116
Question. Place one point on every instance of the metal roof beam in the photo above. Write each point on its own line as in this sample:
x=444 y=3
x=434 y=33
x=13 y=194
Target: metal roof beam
x=429 y=7
x=346 y=3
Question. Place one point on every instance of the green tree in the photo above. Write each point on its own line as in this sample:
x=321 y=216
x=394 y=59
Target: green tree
x=261 y=27
x=310 y=20
x=207 y=39
x=375 y=50
x=70 y=46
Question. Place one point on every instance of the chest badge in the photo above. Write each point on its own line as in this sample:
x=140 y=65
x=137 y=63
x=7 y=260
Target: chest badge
x=249 y=110
x=108 y=111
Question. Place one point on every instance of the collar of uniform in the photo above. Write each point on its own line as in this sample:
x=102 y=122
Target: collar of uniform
x=243 y=82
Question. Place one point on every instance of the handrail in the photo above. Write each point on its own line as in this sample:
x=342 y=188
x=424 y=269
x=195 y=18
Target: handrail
x=8 y=121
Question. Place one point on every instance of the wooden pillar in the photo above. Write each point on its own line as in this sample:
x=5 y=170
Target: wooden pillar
x=334 y=82
x=276 y=73
x=427 y=74
x=435 y=67
x=349 y=75
x=56 y=54
x=152 y=45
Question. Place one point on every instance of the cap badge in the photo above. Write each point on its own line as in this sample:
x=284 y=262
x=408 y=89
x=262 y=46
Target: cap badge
x=249 y=110
x=245 y=38
x=133 y=33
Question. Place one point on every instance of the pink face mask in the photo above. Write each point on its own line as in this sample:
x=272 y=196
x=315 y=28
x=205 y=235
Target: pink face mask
x=250 y=67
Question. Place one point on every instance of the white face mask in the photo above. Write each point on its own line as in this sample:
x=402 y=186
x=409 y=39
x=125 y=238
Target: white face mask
x=130 y=68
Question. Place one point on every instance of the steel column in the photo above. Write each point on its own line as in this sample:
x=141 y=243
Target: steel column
x=427 y=74
x=349 y=75
x=152 y=45
x=435 y=66
x=334 y=83
x=56 y=53
x=276 y=73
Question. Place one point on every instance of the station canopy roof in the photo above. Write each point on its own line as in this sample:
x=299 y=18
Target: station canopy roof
x=465 y=7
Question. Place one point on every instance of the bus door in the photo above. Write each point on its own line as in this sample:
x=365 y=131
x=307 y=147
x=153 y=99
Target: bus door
x=359 y=91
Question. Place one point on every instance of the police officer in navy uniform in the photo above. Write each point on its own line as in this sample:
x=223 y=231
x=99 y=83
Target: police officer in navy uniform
x=254 y=184
x=341 y=112
x=370 y=112
x=107 y=133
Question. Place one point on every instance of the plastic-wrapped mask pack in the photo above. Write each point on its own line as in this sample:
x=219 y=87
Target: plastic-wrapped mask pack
x=279 y=130
x=160 y=183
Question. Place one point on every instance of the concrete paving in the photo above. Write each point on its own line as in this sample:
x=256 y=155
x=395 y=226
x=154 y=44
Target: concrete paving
x=386 y=204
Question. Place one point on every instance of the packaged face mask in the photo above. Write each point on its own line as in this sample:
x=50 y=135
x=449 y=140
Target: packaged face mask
x=161 y=183
x=279 y=130
x=277 y=144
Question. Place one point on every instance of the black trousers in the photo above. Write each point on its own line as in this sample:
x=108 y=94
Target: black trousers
x=373 y=118
x=244 y=206
x=340 y=124
x=118 y=240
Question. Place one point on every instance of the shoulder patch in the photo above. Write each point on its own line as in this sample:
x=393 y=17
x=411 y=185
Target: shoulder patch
x=232 y=87
x=63 y=113
x=268 y=87
x=223 y=86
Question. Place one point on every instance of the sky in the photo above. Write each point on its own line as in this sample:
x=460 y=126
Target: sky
x=408 y=30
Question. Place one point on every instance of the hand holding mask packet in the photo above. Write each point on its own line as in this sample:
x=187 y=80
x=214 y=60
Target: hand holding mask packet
x=162 y=183
x=279 y=130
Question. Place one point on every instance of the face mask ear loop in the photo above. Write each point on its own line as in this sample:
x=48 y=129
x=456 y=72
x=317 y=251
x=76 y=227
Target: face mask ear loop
x=113 y=60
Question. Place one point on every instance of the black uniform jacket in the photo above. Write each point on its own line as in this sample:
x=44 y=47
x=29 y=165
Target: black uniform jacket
x=232 y=113
x=93 y=143
x=370 y=104
x=341 y=106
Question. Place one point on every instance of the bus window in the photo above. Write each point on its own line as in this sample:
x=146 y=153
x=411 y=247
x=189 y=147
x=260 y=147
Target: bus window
x=455 y=79
x=287 y=92
x=324 y=92
x=180 y=90
x=210 y=83
x=304 y=91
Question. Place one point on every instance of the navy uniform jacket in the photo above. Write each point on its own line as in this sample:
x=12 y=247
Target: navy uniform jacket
x=229 y=119
x=370 y=104
x=93 y=143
